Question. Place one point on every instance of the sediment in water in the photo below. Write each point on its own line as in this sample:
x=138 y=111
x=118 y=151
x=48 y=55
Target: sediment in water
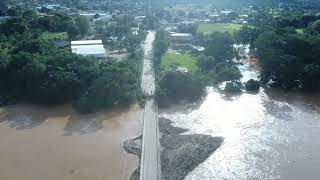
x=180 y=153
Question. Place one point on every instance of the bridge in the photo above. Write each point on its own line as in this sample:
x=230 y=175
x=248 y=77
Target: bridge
x=150 y=168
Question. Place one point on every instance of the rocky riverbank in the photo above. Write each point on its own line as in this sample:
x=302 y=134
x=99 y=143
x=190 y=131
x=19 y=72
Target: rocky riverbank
x=180 y=153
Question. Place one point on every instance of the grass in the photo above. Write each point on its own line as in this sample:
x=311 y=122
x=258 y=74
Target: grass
x=184 y=60
x=54 y=36
x=208 y=28
x=300 y=31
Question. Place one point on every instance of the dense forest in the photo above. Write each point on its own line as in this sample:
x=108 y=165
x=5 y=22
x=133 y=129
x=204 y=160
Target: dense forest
x=33 y=69
x=288 y=49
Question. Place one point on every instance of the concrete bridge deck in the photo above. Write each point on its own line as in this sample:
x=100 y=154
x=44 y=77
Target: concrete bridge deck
x=150 y=156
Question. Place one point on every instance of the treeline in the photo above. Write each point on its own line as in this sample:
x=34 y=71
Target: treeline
x=26 y=21
x=33 y=70
x=289 y=56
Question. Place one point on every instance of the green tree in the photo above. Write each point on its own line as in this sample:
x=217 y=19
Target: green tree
x=161 y=44
x=233 y=87
x=226 y=72
x=252 y=85
x=175 y=86
x=116 y=86
x=83 y=24
x=247 y=35
x=206 y=63
x=73 y=31
x=132 y=43
x=220 y=46
x=311 y=78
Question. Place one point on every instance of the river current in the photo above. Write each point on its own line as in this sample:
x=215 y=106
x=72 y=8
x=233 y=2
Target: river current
x=56 y=143
x=269 y=135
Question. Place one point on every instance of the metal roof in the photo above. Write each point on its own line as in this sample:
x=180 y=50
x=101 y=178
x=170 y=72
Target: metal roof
x=95 y=50
x=181 y=35
x=86 y=42
x=88 y=46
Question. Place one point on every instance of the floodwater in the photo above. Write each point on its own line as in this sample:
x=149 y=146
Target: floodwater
x=148 y=74
x=39 y=143
x=268 y=135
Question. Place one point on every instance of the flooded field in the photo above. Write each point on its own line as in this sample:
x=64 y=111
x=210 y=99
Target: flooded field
x=58 y=144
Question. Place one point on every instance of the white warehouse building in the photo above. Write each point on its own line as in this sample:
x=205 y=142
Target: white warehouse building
x=89 y=48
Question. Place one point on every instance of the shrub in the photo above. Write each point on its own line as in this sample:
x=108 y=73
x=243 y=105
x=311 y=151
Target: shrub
x=233 y=87
x=252 y=85
x=176 y=86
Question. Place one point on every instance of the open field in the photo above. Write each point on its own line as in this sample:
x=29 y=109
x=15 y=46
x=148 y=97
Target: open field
x=184 y=60
x=207 y=28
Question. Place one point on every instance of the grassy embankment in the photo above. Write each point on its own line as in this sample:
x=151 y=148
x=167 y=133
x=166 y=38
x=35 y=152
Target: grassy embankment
x=208 y=28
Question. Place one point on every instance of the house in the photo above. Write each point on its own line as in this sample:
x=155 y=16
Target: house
x=89 y=48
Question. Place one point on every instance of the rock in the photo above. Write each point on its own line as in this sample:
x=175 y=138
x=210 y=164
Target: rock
x=133 y=146
x=135 y=174
x=252 y=85
x=182 y=153
x=165 y=127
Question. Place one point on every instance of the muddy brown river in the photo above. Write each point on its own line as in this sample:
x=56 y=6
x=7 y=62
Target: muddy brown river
x=39 y=143
x=269 y=135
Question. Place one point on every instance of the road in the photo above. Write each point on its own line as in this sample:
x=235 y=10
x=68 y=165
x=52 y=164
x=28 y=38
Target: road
x=150 y=157
x=148 y=73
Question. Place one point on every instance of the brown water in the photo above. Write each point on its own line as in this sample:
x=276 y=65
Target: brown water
x=268 y=135
x=58 y=144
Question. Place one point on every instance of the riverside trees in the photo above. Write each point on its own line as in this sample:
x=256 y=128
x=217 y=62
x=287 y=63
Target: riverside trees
x=287 y=46
x=33 y=70
x=289 y=60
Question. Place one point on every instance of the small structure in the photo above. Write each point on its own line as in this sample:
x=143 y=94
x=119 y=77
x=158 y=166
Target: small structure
x=4 y=18
x=187 y=48
x=181 y=37
x=89 y=48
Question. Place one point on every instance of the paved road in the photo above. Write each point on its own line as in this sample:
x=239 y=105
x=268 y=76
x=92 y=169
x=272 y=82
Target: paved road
x=150 y=157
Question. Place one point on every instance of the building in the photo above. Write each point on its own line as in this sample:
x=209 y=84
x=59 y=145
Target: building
x=4 y=18
x=181 y=37
x=89 y=48
x=187 y=48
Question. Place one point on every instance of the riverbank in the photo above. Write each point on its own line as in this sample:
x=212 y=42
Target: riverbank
x=180 y=153
x=267 y=135
x=57 y=143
